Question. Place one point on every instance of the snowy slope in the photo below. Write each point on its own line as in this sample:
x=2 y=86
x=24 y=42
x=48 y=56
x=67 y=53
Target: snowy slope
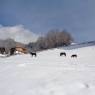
x=80 y=45
x=49 y=73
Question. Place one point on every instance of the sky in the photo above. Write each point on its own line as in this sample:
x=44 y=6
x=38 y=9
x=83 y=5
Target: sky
x=40 y=16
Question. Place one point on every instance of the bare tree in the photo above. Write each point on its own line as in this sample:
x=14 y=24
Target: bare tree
x=52 y=39
x=57 y=38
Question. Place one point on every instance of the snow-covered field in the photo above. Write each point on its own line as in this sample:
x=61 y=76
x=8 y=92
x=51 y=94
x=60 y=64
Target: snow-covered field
x=49 y=73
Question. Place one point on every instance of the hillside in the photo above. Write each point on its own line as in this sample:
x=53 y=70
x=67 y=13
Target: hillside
x=49 y=73
x=80 y=45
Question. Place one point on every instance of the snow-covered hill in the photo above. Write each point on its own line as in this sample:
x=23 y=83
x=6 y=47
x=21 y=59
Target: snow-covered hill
x=49 y=73
x=80 y=45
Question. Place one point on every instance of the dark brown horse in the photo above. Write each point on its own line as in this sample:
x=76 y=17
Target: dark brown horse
x=33 y=54
x=74 y=55
x=62 y=53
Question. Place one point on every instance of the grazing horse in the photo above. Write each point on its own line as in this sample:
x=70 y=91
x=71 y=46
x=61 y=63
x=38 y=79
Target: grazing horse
x=2 y=50
x=74 y=55
x=33 y=54
x=62 y=53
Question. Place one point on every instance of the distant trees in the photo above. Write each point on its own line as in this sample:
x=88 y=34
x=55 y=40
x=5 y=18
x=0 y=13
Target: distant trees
x=52 y=39
x=59 y=38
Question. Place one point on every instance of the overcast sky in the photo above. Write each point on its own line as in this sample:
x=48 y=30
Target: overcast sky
x=40 y=16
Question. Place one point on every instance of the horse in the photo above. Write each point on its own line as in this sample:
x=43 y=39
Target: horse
x=74 y=55
x=62 y=53
x=33 y=54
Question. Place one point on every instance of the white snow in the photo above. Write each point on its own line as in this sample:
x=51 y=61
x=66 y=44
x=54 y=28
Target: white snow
x=49 y=73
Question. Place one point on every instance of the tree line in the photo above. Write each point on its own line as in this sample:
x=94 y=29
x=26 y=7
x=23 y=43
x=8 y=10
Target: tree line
x=52 y=39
